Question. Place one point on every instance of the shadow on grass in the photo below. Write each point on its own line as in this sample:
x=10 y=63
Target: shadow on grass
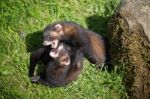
x=98 y=24
x=34 y=41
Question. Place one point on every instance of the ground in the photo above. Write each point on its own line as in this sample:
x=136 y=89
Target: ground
x=21 y=24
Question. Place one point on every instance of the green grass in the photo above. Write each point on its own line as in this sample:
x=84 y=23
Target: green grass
x=21 y=23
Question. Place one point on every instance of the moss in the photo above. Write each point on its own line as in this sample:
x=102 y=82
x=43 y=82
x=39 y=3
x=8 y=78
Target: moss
x=127 y=48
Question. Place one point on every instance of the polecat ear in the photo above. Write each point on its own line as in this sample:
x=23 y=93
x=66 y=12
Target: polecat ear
x=58 y=27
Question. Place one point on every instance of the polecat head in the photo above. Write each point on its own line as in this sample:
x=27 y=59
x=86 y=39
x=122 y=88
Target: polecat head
x=52 y=34
x=61 y=54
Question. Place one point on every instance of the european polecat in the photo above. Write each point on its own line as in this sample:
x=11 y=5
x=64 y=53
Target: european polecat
x=58 y=70
x=84 y=41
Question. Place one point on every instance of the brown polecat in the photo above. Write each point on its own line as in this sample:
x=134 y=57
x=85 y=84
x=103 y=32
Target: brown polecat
x=82 y=40
x=58 y=70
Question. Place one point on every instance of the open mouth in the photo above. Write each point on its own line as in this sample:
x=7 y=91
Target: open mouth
x=54 y=50
x=54 y=53
x=53 y=44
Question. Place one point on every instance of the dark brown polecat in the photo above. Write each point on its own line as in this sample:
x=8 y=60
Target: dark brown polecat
x=82 y=40
x=58 y=70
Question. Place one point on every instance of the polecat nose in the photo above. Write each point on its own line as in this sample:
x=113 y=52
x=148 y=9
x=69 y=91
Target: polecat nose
x=46 y=43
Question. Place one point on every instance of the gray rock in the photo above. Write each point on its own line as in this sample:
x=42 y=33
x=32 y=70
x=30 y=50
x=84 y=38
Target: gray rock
x=140 y=10
x=130 y=45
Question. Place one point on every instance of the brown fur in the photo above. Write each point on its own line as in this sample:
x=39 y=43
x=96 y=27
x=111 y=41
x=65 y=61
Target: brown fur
x=55 y=74
x=82 y=41
x=97 y=48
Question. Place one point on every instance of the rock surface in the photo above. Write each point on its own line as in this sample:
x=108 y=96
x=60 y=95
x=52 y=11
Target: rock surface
x=130 y=45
